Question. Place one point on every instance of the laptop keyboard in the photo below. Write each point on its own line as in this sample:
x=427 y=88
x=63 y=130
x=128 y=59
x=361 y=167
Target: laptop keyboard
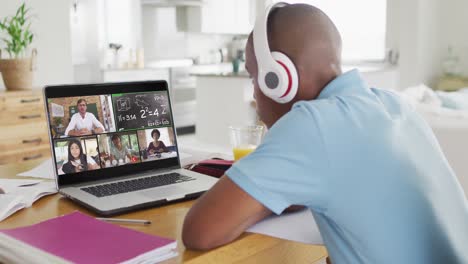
x=136 y=184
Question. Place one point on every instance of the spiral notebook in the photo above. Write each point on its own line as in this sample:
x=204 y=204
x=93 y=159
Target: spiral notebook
x=78 y=238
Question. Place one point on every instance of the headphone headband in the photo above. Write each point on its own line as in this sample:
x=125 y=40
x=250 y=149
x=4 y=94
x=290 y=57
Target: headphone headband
x=277 y=75
x=260 y=35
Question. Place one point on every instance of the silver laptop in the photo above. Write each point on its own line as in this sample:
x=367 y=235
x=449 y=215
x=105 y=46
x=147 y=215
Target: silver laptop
x=115 y=147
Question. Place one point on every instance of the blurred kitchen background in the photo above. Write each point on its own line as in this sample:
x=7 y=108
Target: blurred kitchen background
x=198 y=47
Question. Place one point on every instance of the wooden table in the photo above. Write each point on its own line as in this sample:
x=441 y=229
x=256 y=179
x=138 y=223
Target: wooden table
x=167 y=221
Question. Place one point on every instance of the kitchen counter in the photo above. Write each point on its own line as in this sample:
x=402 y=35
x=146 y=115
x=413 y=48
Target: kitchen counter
x=129 y=69
x=156 y=64
x=224 y=74
x=376 y=75
x=214 y=70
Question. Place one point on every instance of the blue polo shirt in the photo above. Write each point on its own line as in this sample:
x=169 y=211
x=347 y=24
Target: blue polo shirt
x=370 y=170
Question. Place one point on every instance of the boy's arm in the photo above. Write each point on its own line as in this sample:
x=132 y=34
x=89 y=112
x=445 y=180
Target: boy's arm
x=221 y=215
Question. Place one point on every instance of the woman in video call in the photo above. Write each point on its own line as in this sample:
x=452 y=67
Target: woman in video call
x=156 y=146
x=77 y=160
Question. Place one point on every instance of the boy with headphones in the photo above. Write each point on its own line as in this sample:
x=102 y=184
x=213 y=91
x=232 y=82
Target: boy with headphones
x=364 y=162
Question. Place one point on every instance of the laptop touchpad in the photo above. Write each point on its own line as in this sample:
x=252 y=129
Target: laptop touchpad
x=169 y=193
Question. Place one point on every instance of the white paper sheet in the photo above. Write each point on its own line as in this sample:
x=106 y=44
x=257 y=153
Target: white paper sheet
x=9 y=204
x=24 y=196
x=9 y=185
x=33 y=193
x=298 y=226
x=44 y=170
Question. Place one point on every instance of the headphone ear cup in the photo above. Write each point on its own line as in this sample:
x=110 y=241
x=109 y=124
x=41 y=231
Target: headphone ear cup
x=287 y=89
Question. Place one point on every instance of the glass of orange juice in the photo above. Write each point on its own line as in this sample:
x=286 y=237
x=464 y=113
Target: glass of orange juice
x=245 y=139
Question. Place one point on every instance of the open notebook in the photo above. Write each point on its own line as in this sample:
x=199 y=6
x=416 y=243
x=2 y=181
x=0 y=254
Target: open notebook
x=78 y=238
x=19 y=194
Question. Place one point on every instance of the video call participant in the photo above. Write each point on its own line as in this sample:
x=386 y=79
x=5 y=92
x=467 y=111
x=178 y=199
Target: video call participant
x=83 y=123
x=118 y=152
x=156 y=146
x=77 y=160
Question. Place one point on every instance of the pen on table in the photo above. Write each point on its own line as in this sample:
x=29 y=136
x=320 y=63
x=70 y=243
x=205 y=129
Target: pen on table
x=125 y=221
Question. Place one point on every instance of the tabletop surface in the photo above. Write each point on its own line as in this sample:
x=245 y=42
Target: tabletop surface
x=167 y=221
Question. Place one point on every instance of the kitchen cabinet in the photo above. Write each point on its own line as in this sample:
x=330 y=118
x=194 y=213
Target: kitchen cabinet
x=216 y=16
x=223 y=101
x=182 y=87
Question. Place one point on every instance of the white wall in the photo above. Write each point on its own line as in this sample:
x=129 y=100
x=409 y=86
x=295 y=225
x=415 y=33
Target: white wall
x=52 y=39
x=408 y=31
x=422 y=30
x=454 y=29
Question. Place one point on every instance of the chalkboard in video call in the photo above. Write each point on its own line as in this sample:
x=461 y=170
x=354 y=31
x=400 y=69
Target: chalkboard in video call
x=141 y=110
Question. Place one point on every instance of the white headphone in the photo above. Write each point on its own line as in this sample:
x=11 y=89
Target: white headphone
x=277 y=75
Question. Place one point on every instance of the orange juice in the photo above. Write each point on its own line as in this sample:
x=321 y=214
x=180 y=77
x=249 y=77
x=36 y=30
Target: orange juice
x=240 y=152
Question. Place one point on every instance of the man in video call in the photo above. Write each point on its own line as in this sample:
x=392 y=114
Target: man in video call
x=83 y=123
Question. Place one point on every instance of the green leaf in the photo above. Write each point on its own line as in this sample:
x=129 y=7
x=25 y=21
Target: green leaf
x=22 y=10
x=17 y=27
x=18 y=11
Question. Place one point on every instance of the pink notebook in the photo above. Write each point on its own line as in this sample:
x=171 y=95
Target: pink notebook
x=82 y=239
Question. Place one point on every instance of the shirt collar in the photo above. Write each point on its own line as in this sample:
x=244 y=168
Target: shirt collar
x=349 y=82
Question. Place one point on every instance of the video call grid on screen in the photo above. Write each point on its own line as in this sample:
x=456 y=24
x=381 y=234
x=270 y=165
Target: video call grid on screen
x=122 y=130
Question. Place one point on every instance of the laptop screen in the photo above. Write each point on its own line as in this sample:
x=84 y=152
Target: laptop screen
x=110 y=130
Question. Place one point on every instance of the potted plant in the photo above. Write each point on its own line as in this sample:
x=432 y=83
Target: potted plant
x=17 y=71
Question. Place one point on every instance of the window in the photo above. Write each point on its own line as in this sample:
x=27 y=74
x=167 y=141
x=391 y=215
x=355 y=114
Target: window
x=362 y=25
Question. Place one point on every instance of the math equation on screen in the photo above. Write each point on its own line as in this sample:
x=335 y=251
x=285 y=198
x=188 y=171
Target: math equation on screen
x=142 y=110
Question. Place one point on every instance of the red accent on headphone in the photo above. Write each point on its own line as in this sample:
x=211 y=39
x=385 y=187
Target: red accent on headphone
x=289 y=78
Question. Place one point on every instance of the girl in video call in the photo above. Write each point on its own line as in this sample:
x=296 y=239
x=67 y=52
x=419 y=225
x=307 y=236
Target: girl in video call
x=77 y=160
x=156 y=146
